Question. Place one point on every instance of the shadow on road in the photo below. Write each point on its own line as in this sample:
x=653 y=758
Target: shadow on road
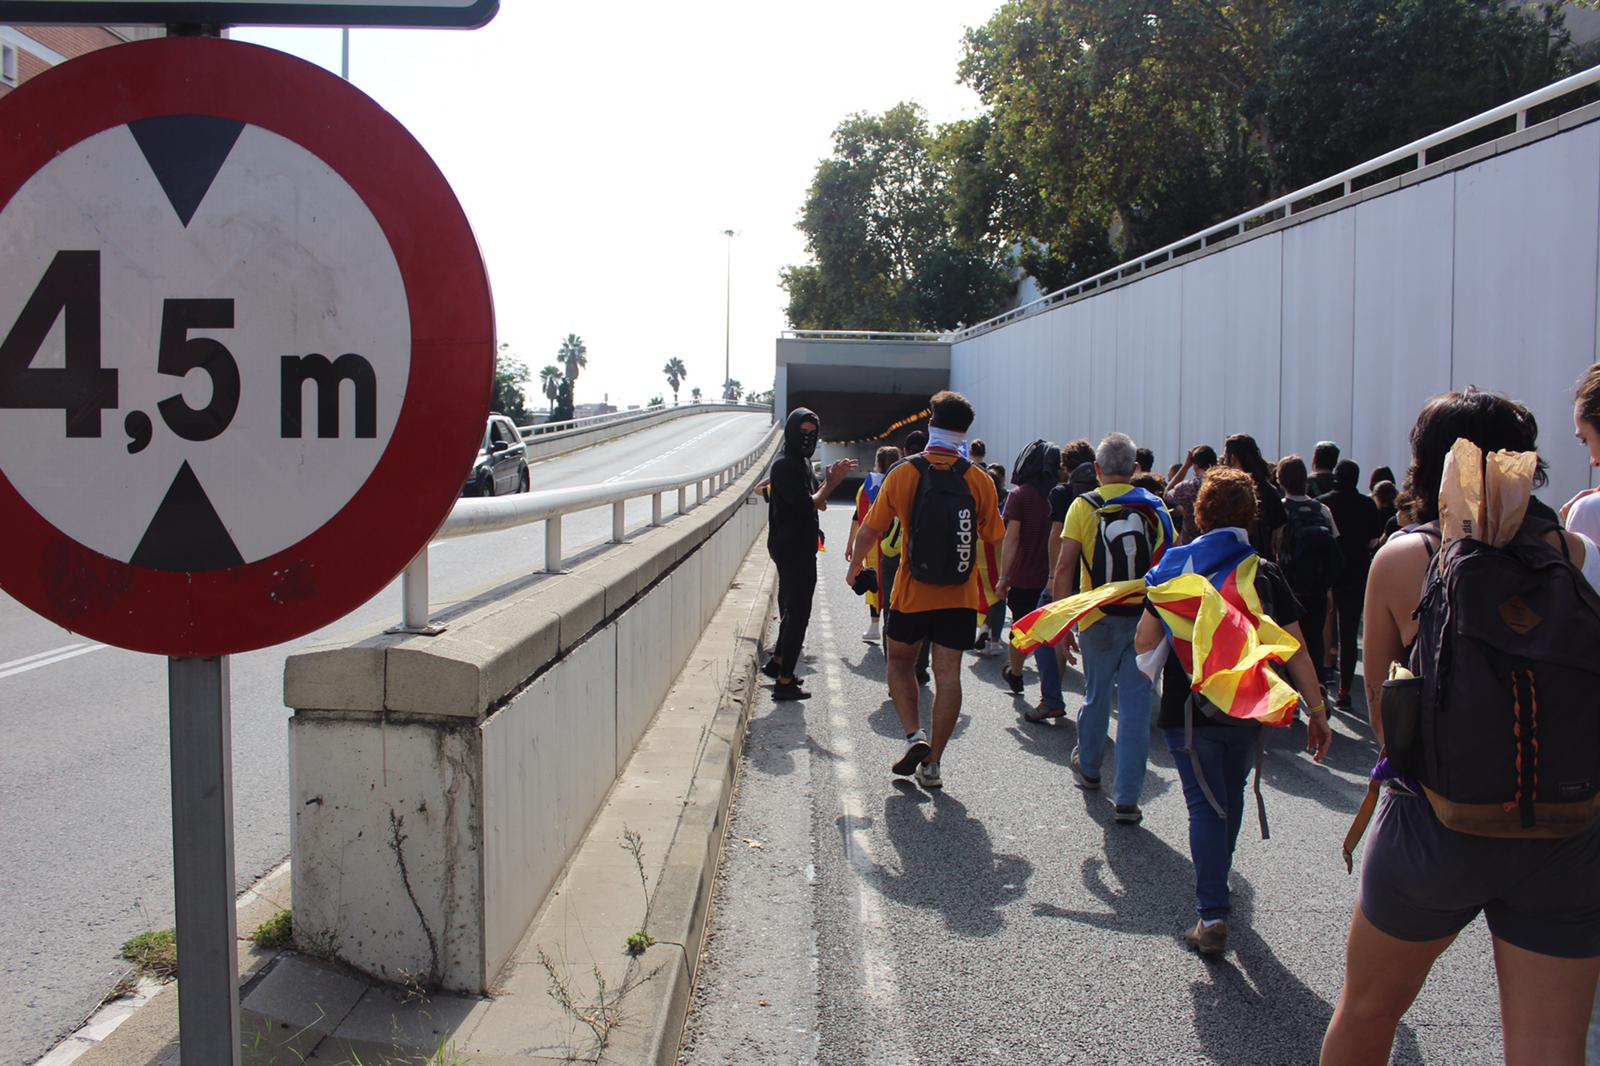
x=947 y=862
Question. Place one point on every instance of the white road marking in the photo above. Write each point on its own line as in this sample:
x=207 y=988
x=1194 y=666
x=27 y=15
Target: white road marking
x=878 y=983
x=46 y=658
x=680 y=446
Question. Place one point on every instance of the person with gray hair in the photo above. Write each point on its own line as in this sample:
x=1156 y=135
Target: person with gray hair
x=1112 y=534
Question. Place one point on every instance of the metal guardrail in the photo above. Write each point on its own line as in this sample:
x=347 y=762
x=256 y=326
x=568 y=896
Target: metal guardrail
x=1343 y=181
x=861 y=335
x=568 y=425
x=486 y=515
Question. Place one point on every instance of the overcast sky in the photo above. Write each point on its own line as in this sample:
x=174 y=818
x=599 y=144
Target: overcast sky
x=601 y=149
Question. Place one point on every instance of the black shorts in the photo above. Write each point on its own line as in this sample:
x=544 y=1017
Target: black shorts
x=951 y=627
x=1022 y=602
x=1421 y=881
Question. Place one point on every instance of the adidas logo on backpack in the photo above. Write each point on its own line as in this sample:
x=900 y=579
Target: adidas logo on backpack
x=943 y=545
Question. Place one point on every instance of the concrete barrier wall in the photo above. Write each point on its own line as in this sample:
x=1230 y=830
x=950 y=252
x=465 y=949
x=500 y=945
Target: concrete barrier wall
x=440 y=783
x=542 y=447
x=1334 y=324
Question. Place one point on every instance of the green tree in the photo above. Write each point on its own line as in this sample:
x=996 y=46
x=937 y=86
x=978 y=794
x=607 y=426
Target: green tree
x=562 y=409
x=510 y=375
x=733 y=391
x=876 y=219
x=550 y=382
x=675 y=372
x=574 y=355
x=656 y=401
x=694 y=394
x=1356 y=78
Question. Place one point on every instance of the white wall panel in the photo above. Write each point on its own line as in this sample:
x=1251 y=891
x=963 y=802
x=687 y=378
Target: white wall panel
x=1525 y=284
x=1102 y=362
x=1252 y=357
x=1402 y=317
x=1318 y=333
x=1205 y=344
x=1150 y=335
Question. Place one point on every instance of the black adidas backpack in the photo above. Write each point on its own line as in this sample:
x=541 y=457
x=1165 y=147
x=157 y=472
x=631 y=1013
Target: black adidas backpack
x=1507 y=731
x=943 y=544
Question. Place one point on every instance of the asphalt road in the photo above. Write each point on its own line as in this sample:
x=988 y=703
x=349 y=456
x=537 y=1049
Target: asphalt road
x=85 y=830
x=1008 y=919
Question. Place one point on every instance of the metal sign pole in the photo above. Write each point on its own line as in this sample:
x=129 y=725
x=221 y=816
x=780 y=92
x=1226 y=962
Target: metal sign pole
x=202 y=860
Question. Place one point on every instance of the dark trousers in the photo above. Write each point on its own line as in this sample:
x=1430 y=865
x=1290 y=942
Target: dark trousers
x=1313 y=619
x=1347 y=597
x=797 y=584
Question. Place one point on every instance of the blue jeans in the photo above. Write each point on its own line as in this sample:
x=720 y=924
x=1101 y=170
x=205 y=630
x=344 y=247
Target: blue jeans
x=1049 y=669
x=1226 y=754
x=1109 y=660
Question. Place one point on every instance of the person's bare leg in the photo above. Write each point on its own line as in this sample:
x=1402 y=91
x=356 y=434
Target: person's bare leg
x=903 y=682
x=946 y=697
x=1382 y=976
x=1545 y=1003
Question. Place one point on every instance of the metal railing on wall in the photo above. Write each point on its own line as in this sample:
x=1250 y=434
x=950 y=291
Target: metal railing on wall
x=568 y=425
x=1328 y=190
x=472 y=516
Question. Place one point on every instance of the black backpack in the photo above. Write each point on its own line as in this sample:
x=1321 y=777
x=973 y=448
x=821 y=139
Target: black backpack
x=1311 y=558
x=1503 y=731
x=943 y=543
x=1124 y=541
x=1037 y=461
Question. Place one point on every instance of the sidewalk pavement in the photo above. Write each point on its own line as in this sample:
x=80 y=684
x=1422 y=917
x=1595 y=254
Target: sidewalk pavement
x=571 y=991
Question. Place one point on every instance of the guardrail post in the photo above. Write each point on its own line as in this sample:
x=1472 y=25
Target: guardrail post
x=655 y=509
x=683 y=499
x=618 y=521
x=699 y=493
x=552 y=544
x=414 y=590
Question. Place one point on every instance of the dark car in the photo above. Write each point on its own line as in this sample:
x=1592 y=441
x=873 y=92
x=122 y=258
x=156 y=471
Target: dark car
x=502 y=463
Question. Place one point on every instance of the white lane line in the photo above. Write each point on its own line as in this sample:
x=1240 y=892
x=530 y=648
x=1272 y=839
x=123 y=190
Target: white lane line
x=892 y=1044
x=696 y=439
x=46 y=658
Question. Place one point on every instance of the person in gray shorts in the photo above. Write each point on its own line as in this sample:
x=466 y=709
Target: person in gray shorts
x=1422 y=883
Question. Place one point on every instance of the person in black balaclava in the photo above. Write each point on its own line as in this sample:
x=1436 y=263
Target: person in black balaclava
x=793 y=500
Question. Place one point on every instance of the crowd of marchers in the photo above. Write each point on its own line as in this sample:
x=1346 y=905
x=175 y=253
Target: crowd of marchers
x=1230 y=596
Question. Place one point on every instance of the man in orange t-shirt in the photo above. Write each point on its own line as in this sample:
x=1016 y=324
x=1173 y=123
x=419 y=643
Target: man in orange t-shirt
x=942 y=611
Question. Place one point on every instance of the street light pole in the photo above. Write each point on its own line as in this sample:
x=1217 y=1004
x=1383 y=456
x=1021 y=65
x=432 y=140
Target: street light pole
x=344 y=54
x=727 y=326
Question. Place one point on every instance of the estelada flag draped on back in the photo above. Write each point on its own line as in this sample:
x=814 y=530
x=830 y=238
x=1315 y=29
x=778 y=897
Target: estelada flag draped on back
x=1205 y=595
x=1050 y=623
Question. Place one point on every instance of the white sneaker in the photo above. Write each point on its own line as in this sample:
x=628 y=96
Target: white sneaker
x=928 y=775
x=992 y=649
x=917 y=749
x=871 y=636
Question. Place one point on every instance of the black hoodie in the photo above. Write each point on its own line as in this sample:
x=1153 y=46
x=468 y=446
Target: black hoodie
x=791 y=511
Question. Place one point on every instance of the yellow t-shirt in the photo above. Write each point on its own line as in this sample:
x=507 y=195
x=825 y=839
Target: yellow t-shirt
x=896 y=500
x=1083 y=526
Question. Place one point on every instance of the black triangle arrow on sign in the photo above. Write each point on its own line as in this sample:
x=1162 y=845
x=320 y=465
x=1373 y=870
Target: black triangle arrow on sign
x=186 y=535
x=186 y=151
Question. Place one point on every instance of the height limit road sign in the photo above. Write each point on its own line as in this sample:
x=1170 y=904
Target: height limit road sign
x=461 y=13
x=246 y=346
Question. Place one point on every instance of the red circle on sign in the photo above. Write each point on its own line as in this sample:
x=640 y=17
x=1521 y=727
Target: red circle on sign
x=394 y=514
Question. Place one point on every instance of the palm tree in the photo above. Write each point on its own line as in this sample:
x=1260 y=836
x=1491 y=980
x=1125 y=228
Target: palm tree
x=733 y=391
x=675 y=372
x=694 y=394
x=575 y=355
x=550 y=382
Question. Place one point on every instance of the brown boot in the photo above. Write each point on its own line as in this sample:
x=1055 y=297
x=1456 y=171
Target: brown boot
x=1209 y=940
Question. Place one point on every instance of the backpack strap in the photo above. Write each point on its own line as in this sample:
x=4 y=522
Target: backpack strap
x=1096 y=500
x=1194 y=761
x=1358 y=826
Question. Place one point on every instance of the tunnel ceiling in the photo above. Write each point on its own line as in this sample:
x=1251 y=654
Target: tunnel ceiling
x=860 y=403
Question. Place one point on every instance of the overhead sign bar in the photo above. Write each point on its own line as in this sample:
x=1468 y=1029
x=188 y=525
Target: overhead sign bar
x=448 y=13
